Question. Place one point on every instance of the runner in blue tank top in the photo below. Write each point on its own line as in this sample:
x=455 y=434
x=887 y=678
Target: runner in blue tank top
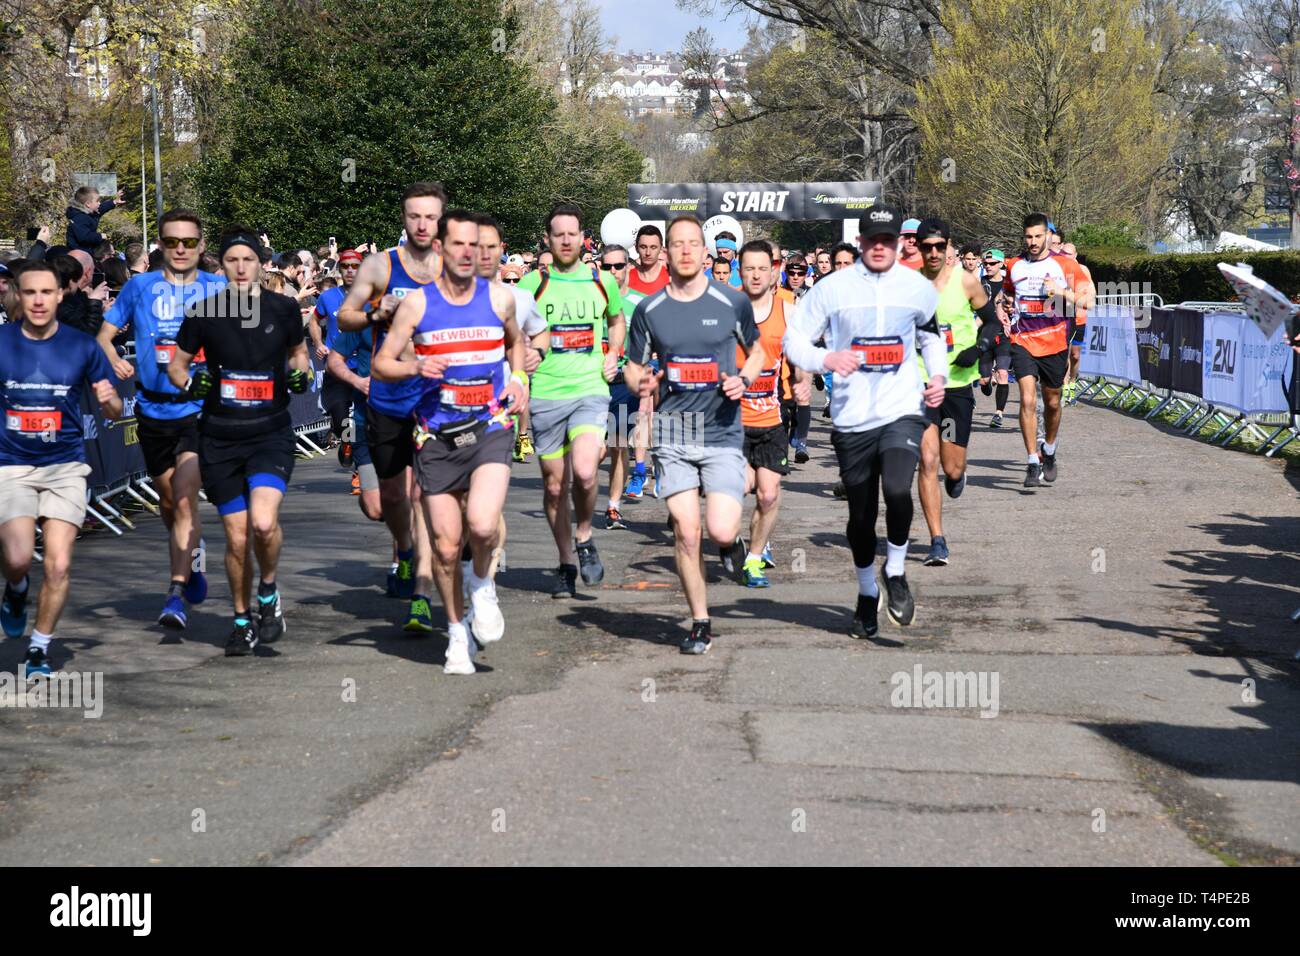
x=461 y=327
x=384 y=280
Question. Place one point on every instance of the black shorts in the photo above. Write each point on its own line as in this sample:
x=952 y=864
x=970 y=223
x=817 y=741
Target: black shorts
x=441 y=467
x=163 y=440
x=232 y=467
x=1048 y=369
x=392 y=443
x=859 y=452
x=1078 y=333
x=336 y=397
x=765 y=447
x=958 y=407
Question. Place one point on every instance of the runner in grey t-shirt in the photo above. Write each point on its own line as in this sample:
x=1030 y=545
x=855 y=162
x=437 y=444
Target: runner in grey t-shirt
x=694 y=326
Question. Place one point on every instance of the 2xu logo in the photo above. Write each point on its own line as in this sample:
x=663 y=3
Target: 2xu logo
x=1225 y=356
x=1097 y=338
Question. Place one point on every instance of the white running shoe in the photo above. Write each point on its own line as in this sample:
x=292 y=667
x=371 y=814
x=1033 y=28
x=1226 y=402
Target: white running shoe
x=458 y=657
x=486 y=621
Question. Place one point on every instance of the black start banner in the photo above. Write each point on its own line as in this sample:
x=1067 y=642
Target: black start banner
x=788 y=202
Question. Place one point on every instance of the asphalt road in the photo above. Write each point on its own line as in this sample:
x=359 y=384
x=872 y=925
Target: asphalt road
x=1119 y=612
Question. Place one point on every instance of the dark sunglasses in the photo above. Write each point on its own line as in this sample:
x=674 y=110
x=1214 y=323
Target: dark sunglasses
x=511 y=281
x=609 y=266
x=933 y=246
x=797 y=272
x=171 y=242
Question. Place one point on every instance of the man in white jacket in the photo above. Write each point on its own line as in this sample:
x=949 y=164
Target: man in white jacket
x=874 y=316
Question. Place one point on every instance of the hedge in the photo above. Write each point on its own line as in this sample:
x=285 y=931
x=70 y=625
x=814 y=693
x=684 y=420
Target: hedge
x=1192 y=277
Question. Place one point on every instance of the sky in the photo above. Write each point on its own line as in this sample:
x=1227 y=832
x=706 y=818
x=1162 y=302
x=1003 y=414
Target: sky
x=658 y=26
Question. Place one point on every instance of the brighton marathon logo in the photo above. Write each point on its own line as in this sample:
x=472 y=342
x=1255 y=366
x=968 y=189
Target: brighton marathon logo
x=63 y=690
x=673 y=203
x=848 y=202
x=1153 y=346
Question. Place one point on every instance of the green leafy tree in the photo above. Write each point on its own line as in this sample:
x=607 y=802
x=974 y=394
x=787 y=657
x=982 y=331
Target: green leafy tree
x=329 y=112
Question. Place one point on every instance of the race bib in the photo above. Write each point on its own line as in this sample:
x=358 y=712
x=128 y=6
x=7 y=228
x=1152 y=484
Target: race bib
x=691 y=373
x=884 y=354
x=33 y=421
x=247 y=389
x=466 y=394
x=164 y=350
x=572 y=338
x=1035 y=305
x=764 y=385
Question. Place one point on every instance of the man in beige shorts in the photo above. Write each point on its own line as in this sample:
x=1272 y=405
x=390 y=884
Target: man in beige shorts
x=44 y=369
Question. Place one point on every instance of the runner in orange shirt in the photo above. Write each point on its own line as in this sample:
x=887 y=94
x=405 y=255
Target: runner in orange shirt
x=760 y=408
x=1079 y=327
x=1044 y=289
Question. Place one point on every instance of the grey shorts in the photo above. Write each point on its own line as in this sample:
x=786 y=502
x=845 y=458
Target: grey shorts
x=558 y=421
x=710 y=468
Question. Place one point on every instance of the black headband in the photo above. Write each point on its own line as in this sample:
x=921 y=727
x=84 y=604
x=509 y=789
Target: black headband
x=241 y=239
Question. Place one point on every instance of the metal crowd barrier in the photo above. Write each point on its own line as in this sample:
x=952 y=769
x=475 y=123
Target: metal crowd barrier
x=1194 y=413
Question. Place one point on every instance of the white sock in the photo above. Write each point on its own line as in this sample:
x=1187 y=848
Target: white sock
x=1049 y=449
x=894 y=563
x=20 y=587
x=751 y=556
x=867 y=584
x=476 y=582
x=1032 y=460
x=457 y=632
x=41 y=640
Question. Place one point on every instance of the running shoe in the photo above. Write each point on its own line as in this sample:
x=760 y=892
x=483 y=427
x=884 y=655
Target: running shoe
x=566 y=581
x=838 y=491
x=526 y=446
x=486 y=622
x=698 y=641
x=996 y=420
x=173 y=613
x=390 y=582
x=800 y=452
x=865 y=622
x=635 y=487
x=419 y=618
x=987 y=387
x=954 y=488
x=458 y=659
x=1033 y=475
x=899 y=603
x=13 y=610
x=271 y=618
x=754 y=575
x=767 y=556
x=938 y=555
x=733 y=559
x=196 y=588
x=345 y=454
x=356 y=483
x=36 y=663
x=242 y=639
x=1049 y=465
x=405 y=587
x=826 y=412
x=593 y=572
x=614 y=520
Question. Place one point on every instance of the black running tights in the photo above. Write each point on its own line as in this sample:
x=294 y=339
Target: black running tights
x=896 y=471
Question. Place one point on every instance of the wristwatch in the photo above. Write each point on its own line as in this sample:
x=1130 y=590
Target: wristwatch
x=747 y=380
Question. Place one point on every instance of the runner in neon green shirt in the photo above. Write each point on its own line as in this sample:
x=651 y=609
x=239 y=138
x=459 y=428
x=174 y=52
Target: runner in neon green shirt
x=569 y=398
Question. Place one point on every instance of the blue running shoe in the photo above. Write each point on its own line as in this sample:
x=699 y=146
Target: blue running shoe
x=938 y=555
x=635 y=488
x=767 y=556
x=196 y=588
x=13 y=611
x=173 y=613
x=36 y=663
x=754 y=576
x=405 y=578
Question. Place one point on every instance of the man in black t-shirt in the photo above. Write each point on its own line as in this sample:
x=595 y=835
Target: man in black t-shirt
x=246 y=443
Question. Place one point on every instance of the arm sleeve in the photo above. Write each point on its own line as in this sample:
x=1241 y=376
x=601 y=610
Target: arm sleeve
x=806 y=326
x=107 y=205
x=988 y=313
x=746 y=327
x=119 y=315
x=189 y=337
x=639 y=345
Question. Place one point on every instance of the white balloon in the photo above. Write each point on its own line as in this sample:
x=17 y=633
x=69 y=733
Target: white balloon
x=722 y=224
x=619 y=227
